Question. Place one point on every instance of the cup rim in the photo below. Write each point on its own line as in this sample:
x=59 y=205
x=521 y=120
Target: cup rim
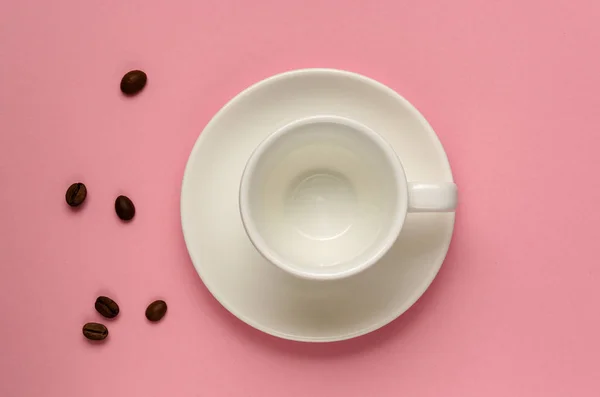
x=255 y=236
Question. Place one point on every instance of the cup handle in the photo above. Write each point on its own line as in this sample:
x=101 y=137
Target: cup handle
x=432 y=197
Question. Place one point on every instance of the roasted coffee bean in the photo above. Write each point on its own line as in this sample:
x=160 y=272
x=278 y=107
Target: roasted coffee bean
x=107 y=307
x=124 y=208
x=156 y=310
x=95 y=331
x=133 y=82
x=76 y=194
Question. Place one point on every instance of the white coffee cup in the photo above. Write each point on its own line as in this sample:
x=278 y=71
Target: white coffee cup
x=325 y=197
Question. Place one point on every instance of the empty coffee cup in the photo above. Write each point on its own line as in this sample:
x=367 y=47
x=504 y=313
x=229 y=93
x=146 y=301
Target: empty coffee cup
x=325 y=197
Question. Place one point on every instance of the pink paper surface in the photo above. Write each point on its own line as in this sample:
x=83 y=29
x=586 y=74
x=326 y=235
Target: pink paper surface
x=511 y=87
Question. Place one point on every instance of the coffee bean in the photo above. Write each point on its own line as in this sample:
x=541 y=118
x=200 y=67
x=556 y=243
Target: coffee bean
x=95 y=331
x=156 y=310
x=133 y=82
x=107 y=307
x=124 y=208
x=76 y=194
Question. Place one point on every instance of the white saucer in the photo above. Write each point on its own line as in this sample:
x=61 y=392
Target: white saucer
x=261 y=294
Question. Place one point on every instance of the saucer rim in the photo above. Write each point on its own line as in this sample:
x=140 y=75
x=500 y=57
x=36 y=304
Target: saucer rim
x=397 y=312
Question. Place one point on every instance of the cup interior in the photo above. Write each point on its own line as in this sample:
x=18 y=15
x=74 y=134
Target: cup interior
x=323 y=197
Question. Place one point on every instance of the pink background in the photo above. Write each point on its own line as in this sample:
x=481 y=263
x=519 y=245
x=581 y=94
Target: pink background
x=511 y=87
